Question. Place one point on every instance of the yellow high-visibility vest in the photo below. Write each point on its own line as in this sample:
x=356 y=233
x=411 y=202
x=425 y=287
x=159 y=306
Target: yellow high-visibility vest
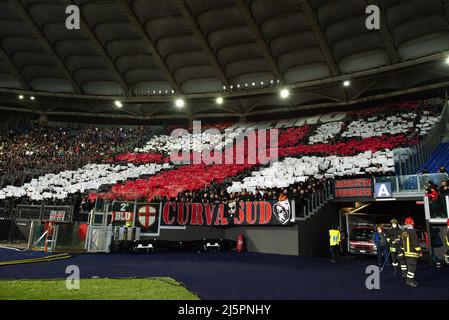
x=334 y=237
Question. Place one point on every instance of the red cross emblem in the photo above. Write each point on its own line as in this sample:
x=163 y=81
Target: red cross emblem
x=146 y=216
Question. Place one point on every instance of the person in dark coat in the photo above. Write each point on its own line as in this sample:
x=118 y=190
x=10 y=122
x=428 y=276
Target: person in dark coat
x=380 y=240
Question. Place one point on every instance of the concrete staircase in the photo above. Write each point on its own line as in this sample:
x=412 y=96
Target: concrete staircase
x=317 y=202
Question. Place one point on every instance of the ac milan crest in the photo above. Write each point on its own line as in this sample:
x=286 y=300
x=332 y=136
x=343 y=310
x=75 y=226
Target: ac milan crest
x=282 y=211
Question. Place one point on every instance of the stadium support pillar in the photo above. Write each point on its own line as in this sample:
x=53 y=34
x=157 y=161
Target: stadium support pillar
x=191 y=118
x=43 y=120
x=242 y=118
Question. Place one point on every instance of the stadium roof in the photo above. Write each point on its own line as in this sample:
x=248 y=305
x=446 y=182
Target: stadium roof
x=146 y=52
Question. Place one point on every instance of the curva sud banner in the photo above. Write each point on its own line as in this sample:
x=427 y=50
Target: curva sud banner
x=257 y=213
x=150 y=218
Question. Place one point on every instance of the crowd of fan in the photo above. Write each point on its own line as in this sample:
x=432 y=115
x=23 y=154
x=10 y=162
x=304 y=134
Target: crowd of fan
x=219 y=194
x=51 y=150
x=300 y=192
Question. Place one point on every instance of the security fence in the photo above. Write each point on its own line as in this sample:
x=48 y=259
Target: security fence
x=69 y=237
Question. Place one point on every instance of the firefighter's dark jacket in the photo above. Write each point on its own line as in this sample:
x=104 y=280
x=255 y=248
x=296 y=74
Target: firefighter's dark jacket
x=410 y=243
x=394 y=239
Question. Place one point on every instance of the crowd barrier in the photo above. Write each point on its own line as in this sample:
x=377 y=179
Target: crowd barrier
x=69 y=237
x=412 y=183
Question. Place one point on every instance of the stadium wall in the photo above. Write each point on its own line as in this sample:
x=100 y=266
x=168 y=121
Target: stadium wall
x=5 y=225
x=277 y=240
x=191 y=234
x=306 y=238
x=313 y=234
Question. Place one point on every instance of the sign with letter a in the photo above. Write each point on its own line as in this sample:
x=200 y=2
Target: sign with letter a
x=383 y=190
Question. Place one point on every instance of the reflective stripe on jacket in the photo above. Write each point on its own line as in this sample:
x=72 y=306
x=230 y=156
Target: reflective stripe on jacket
x=394 y=239
x=410 y=243
x=447 y=238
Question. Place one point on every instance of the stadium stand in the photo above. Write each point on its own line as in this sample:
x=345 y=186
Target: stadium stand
x=348 y=147
x=440 y=158
x=34 y=152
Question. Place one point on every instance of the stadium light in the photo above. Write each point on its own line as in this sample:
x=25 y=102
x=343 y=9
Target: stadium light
x=32 y=98
x=347 y=83
x=285 y=94
x=447 y=60
x=179 y=103
x=219 y=100
x=118 y=104
x=21 y=97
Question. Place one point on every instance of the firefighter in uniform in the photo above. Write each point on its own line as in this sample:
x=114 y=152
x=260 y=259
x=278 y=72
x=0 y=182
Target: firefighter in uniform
x=412 y=251
x=394 y=242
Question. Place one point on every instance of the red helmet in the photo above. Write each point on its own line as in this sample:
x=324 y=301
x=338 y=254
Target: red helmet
x=409 y=220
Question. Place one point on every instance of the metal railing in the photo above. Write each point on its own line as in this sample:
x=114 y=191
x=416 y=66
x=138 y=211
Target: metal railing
x=417 y=183
x=314 y=202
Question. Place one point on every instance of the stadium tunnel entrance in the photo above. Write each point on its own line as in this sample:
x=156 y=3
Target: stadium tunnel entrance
x=359 y=220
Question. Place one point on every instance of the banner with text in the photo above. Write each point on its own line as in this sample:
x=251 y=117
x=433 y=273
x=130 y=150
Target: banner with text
x=353 y=189
x=257 y=213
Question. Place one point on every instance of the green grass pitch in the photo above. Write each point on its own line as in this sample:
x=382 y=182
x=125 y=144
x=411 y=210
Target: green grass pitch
x=96 y=289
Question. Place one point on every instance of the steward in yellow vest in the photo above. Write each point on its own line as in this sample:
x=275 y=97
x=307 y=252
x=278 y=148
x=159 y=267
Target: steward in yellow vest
x=334 y=242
